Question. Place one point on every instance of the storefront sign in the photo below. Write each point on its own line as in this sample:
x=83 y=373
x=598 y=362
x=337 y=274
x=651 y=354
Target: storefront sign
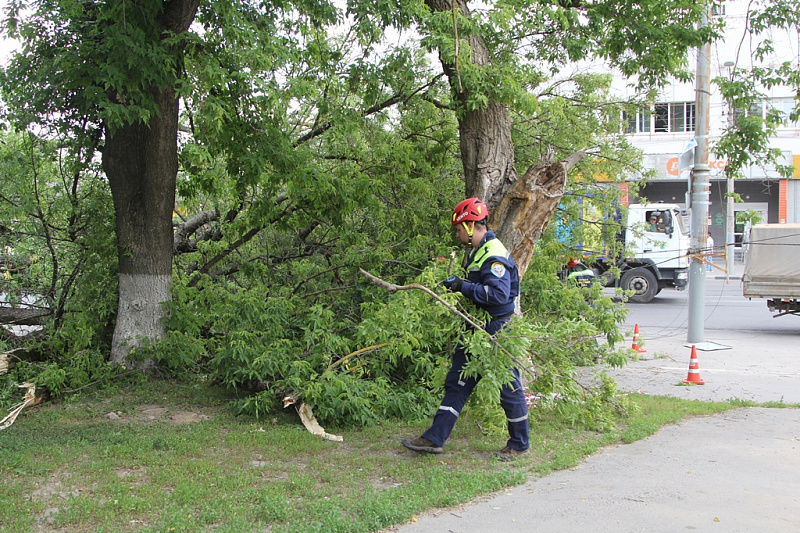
x=672 y=165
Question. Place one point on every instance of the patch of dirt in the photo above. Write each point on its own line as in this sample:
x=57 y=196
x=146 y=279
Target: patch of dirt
x=51 y=491
x=157 y=413
x=383 y=483
x=135 y=477
x=52 y=486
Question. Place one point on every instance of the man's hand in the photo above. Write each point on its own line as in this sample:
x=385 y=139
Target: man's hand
x=453 y=284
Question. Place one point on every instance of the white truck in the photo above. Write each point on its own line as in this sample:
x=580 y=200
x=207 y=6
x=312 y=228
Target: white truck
x=656 y=243
x=772 y=253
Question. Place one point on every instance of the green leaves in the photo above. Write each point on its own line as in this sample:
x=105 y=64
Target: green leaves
x=751 y=83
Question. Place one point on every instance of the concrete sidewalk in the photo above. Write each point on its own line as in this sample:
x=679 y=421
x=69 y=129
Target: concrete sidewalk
x=735 y=472
x=749 y=368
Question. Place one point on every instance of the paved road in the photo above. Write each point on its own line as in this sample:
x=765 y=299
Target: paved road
x=734 y=472
x=725 y=310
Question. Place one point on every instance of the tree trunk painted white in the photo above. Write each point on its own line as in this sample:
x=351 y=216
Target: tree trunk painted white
x=140 y=160
x=141 y=315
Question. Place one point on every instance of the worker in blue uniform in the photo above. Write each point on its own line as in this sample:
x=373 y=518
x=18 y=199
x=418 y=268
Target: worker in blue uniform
x=492 y=282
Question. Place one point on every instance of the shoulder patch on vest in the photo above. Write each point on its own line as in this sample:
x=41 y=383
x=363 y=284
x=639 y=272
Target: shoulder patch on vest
x=498 y=269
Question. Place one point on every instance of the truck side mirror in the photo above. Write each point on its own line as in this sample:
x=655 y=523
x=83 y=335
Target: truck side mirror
x=669 y=228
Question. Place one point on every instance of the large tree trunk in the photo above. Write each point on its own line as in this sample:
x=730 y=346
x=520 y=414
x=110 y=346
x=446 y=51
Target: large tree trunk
x=520 y=209
x=141 y=162
x=487 y=151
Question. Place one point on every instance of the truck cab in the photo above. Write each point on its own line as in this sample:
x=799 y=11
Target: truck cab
x=655 y=255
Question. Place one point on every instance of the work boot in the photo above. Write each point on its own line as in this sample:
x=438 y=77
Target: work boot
x=421 y=445
x=509 y=454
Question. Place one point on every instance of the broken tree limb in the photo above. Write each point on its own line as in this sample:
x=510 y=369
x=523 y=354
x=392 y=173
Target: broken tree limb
x=308 y=419
x=28 y=400
x=10 y=358
x=311 y=424
x=391 y=287
x=527 y=206
x=183 y=232
x=23 y=316
x=527 y=369
x=354 y=354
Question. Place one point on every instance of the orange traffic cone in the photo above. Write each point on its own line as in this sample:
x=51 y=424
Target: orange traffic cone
x=635 y=347
x=694 y=370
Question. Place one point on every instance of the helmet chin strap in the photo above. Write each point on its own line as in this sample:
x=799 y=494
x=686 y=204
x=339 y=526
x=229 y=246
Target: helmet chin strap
x=468 y=230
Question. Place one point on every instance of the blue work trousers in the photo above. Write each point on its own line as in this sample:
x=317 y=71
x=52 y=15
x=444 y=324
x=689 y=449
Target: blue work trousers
x=458 y=389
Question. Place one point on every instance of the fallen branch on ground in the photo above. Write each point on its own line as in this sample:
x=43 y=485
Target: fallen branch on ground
x=308 y=419
x=530 y=371
x=30 y=399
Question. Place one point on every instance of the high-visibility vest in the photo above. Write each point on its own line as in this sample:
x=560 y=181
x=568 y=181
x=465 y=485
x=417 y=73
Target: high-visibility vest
x=491 y=248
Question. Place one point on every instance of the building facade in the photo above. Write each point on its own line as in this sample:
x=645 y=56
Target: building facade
x=664 y=130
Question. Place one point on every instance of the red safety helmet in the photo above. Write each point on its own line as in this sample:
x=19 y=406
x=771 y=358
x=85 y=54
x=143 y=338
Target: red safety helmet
x=573 y=262
x=470 y=209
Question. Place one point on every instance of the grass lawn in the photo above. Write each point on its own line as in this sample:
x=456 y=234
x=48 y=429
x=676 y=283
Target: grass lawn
x=168 y=456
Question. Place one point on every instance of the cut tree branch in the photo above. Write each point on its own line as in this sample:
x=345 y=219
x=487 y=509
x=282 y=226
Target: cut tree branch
x=391 y=287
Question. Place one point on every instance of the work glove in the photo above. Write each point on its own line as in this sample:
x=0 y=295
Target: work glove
x=453 y=283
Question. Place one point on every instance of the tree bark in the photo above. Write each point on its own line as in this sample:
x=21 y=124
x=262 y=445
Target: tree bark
x=141 y=163
x=487 y=150
x=528 y=205
x=519 y=209
x=19 y=316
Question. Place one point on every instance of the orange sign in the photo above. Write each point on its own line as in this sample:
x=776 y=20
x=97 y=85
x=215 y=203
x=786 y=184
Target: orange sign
x=672 y=165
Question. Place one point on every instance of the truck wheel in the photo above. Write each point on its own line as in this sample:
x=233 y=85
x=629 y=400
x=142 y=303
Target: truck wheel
x=642 y=282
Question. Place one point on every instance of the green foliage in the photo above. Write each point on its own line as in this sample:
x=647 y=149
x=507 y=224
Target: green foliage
x=548 y=40
x=386 y=357
x=109 y=57
x=283 y=346
x=57 y=235
x=749 y=216
x=745 y=140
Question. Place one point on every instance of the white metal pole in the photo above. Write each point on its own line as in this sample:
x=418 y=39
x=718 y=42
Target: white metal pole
x=730 y=221
x=701 y=186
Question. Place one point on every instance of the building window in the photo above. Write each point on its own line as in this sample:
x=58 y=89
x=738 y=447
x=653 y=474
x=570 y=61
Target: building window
x=628 y=122
x=681 y=116
x=676 y=117
x=644 y=120
x=638 y=122
x=661 y=118
x=785 y=107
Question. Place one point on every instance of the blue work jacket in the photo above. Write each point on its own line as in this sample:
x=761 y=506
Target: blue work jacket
x=492 y=277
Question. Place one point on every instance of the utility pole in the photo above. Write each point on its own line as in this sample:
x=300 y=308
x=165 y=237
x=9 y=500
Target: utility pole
x=701 y=186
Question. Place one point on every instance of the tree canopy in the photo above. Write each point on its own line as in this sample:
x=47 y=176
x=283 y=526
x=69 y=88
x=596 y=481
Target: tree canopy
x=238 y=162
